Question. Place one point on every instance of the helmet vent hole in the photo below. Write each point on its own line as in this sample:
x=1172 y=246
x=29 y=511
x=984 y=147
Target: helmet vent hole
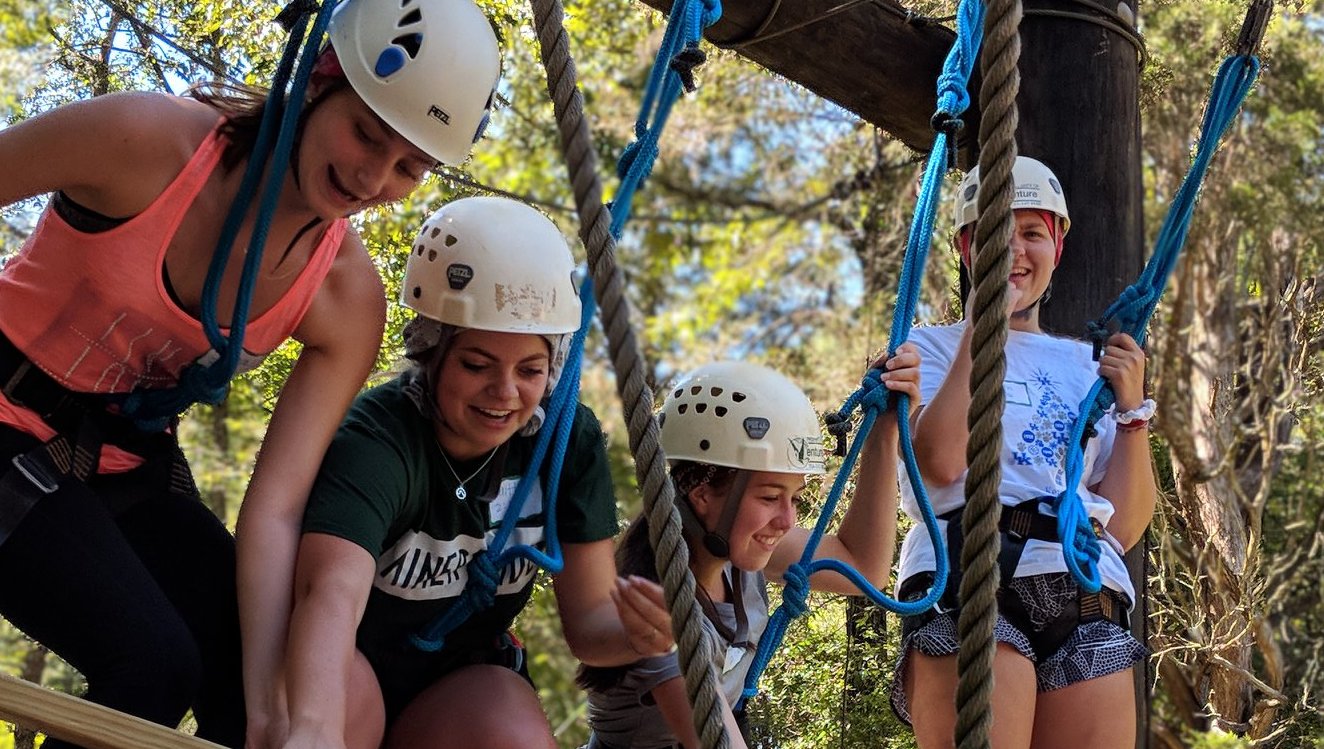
x=413 y=16
x=451 y=240
x=418 y=292
x=704 y=444
x=418 y=249
x=738 y=397
x=409 y=42
x=435 y=231
x=720 y=411
x=696 y=389
x=701 y=408
x=683 y=408
x=432 y=255
x=677 y=393
x=715 y=391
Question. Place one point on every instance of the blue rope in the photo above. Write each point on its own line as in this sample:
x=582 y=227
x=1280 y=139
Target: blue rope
x=485 y=567
x=1134 y=307
x=872 y=398
x=153 y=410
x=670 y=76
x=666 y=83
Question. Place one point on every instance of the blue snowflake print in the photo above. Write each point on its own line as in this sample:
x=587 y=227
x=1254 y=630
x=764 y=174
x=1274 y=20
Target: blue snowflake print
x=1043 y=441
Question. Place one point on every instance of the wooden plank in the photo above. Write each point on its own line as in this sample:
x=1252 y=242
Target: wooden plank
x=79 y=721
x=865 y=56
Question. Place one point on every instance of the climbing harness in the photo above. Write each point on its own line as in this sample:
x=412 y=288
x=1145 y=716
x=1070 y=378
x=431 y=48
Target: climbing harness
x=153 y=410
x=872 y=398
x=1016 y=525
x=1131 y=311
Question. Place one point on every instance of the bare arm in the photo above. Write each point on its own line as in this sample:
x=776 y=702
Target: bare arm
x=330 y=595
x=586 y=595
x=341 y=332
x=113 y=154
x=867 y=535
x=675 y=706
x=940 y=430
x=1129 y=480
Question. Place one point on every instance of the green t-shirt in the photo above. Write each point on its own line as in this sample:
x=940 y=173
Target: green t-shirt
x=384 y=486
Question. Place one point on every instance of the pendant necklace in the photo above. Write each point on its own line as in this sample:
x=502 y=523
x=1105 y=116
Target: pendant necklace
x=460 y=492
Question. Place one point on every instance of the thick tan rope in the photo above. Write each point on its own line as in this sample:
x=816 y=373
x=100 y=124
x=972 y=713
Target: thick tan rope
x=628 y=361
x=988 y=311
x=87 y=724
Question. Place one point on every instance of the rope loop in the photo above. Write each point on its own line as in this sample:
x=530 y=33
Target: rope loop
x=645 y=147
x=838 y=425
x=795 y=594
x=685 y=62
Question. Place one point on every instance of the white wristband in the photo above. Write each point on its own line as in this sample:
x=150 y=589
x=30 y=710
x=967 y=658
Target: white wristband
x=1144 y=413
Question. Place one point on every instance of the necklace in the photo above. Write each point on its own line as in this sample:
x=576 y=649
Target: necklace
x=460 y=493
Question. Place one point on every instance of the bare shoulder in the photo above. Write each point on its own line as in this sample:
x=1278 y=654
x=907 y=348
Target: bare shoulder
x=349 y=311
x=108 y=151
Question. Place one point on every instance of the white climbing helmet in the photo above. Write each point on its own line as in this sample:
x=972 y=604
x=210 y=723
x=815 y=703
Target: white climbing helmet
x=742 y=415
x=1036 y=187
x=428 y=68
x=493 y=264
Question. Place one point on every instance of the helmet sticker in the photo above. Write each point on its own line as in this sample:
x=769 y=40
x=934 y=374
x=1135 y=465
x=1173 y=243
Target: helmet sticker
x=459 y=276
x=802 y=451
x=756 y=427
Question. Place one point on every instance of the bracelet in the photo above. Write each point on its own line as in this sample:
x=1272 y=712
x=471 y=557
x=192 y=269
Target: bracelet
x=1136 y=416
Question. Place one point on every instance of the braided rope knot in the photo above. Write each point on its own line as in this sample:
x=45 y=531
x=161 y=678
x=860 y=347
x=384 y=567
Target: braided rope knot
x=484 y=577
x=712 y=11
x=795 y=594
x=873 y=394
x=685 y=62
x=646 y=148
x=838 y=425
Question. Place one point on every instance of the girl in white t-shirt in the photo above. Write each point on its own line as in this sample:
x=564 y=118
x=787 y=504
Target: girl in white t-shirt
x=1064 y=658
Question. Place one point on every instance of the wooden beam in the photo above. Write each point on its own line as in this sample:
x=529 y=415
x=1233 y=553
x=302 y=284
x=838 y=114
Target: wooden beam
x=81 y=722
x=863 y=55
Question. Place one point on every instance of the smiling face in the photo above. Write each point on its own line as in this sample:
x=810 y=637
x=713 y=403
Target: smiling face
x=767 y=512
x=349 y=159
x=1033 y=257
x=487 y=388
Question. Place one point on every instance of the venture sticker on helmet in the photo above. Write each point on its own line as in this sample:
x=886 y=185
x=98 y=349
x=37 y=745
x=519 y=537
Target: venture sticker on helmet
x=1035 y=187
x=428 y=68
x=744 y=416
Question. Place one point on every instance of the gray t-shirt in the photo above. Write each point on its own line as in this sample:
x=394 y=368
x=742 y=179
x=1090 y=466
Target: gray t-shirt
x=626 y=717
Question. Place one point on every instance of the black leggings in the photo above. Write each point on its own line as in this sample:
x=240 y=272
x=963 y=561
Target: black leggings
x=142 y=602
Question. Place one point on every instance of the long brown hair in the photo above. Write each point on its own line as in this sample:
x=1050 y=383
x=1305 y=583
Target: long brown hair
x=243 y=107
x=635 y=555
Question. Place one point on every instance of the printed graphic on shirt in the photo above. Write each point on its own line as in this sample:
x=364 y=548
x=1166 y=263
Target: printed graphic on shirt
x=1043 y=441
x=422 y=568
x=129 y=353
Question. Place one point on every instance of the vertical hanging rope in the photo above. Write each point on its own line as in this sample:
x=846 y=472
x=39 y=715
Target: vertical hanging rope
x=629 y=365
x=988 y=311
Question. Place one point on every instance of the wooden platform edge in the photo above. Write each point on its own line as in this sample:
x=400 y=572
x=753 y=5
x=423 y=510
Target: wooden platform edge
x=72 y=719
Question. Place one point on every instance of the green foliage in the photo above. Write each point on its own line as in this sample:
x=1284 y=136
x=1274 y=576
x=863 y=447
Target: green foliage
x=750 y=240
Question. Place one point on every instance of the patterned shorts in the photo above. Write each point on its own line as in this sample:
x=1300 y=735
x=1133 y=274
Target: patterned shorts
x=1094 y=649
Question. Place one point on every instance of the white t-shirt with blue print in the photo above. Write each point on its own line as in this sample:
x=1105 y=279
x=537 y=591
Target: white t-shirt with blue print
x=1046 y=379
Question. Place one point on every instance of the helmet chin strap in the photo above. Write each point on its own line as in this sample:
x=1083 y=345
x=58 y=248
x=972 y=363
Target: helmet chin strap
x=718 y=540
